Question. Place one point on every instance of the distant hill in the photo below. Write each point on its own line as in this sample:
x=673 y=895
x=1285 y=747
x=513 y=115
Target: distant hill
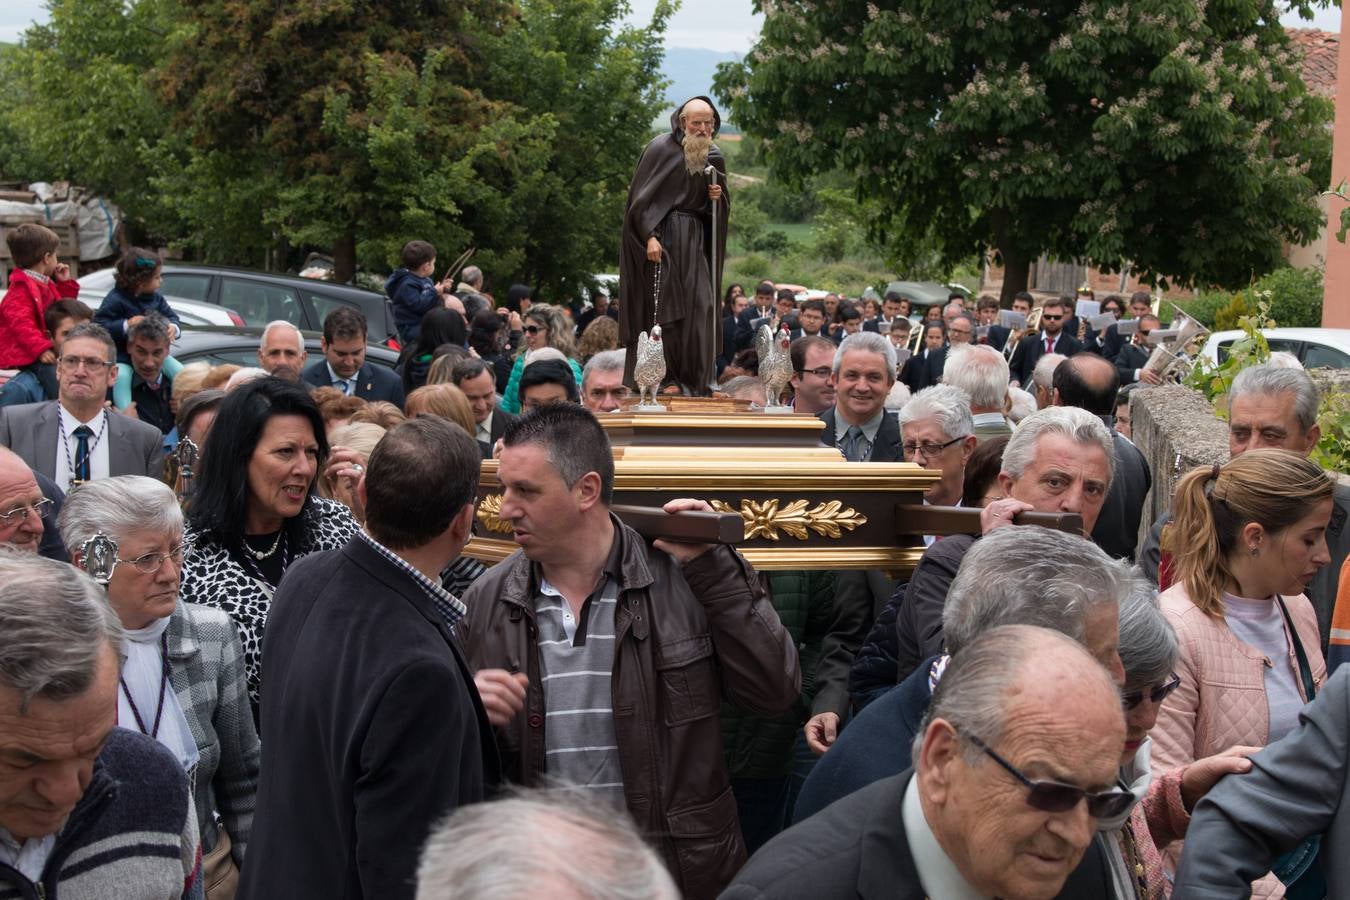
x=690 y=72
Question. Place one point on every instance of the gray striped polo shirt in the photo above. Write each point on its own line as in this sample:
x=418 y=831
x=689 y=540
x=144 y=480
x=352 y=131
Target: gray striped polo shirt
x=576 y=660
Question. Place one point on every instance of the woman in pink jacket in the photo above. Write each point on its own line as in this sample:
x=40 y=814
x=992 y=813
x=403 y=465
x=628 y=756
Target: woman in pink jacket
x=1250 y=537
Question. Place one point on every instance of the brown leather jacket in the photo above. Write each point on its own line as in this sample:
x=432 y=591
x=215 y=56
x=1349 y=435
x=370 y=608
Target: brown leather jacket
x=686 y=637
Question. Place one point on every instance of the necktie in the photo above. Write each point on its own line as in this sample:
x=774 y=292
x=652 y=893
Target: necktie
x=1049 y=344
x=82 y=436
x=347 y=387
x=852 y=445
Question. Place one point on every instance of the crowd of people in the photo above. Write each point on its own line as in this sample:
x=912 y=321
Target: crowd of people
x=269 y=669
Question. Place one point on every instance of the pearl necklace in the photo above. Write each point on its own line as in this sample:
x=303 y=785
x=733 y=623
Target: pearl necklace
x=263 y=554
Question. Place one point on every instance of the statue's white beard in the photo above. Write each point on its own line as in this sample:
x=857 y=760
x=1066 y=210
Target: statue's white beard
x=696 y=153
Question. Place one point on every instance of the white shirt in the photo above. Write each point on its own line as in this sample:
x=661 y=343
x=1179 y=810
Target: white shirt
x=937 y=873
x=992 y=418
x=484 y=433
x=98 y=448
x=348 y=384
x=929 y=539
x=30 y=857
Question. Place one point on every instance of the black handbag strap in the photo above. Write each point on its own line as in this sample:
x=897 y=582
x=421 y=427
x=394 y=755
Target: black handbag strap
x=1304 y=670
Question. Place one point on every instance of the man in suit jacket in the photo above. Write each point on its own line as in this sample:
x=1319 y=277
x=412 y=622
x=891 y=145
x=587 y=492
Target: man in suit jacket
x=1052 y=338
x=375 y=731
x=344 y=363
x=1132 y=355
x=958 y=824
x=478 y=382
x=1297 y=787
x=1089 y=382
x=926 y=367
x=75 y=437
x=864 y=370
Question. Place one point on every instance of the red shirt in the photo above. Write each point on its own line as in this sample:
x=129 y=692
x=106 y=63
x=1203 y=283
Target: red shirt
x=23 y=333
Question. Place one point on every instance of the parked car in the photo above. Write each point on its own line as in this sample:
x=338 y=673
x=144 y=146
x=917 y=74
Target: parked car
x=261 y=297
x=1314 y=347
x=96 y=285
x=219 y=346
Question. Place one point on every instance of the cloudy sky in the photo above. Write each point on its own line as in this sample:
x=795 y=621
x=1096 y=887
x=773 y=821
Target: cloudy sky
x=712 y=24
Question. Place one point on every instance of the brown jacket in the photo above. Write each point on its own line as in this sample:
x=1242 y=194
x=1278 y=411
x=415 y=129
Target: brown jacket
x=686 y=637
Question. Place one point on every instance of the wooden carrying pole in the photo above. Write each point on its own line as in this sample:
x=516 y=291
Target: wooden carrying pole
x=691 y=526
x=911 y=520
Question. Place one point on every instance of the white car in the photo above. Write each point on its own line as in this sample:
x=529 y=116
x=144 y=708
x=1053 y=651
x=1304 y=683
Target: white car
x=97 y=285
x=1313 y=347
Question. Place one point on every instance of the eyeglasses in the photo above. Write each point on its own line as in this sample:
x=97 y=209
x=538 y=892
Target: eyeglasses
x=149 y=563
x=1055 y=796
x=1045 y=318
x=93 y=364
x=1131 y=699
x=534 y=329
x=819 y=371
x=928 y=448
x=39 y=507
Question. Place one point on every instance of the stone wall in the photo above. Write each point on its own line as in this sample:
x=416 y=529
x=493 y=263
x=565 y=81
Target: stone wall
x=1177 y=430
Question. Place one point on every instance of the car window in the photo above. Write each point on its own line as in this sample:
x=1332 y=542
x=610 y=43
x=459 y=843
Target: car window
x=184 y=284
x=1317 y=355
x=259 y=303
x=239 y=356
x=323 y=305
x=1284 y=345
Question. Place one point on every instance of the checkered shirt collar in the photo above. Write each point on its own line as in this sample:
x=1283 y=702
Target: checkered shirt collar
x=446 y=603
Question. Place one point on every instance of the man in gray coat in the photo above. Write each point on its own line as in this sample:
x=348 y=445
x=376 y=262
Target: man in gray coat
x=1297 y=787
x=76 y=437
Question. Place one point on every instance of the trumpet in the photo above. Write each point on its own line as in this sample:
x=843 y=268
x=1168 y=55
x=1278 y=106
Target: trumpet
x=1015 y=338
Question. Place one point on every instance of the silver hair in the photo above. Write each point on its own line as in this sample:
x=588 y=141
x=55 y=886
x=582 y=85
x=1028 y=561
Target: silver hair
x=948 y=405
x=952 y=305
x=471 y=275
x=973 y=695
x=605 y=361
x=577 y=848
x=1148 y=645
x=742 y=386
x=897 y=397
x=1043 y=376
x=117 y=507
x=1020 y=404
x=1027 y=575
x=281 y=323
x=153 y=328
x=1078 y=425
x=56 y=624
x=980 y=371
x=1271 y=380
x=868 y=342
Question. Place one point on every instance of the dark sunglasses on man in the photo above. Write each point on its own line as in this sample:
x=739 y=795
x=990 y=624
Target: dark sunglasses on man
x=1159 y=693
x=1055 y=796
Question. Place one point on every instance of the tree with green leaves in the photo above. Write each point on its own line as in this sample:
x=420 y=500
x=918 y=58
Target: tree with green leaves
x=1173 y=135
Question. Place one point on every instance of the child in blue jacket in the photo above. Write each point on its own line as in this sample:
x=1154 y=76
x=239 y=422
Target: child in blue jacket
x=412 y=291
x=137 y=293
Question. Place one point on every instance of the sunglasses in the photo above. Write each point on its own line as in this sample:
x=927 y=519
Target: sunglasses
x=1055 y=796
x=534 y=329
x=1131 y=699
x=1050 y=318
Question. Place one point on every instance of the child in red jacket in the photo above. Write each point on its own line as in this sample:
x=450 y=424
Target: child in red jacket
x=38 y=280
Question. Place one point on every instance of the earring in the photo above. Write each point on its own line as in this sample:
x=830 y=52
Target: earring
x=1256 y=550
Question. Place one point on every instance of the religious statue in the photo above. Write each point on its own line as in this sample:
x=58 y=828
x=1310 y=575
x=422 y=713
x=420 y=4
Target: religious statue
x=673 y=248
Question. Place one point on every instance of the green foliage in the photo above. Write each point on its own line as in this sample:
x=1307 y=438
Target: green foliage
x=1333 y=450
x=745 y=225
x=1229 y=316
x=1215 y=380
x=236 y=127
x=1176 y=136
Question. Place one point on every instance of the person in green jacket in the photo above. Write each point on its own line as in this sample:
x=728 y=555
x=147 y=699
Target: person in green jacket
x=545 y=326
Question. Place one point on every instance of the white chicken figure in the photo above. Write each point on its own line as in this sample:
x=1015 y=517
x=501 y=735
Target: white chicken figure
x=649 y=370
x=775 y=362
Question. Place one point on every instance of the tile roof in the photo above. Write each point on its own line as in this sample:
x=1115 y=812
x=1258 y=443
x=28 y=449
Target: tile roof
x=1320 y=50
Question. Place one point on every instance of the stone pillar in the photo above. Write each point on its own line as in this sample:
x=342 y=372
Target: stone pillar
x=1336 y=290
x=1177 y=430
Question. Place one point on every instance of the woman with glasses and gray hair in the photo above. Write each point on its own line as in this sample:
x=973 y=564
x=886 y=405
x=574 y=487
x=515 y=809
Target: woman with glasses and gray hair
x=183 y=672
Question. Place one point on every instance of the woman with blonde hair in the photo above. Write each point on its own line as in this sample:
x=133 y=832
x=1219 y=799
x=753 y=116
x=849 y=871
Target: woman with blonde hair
x=360 y=437
x=545 y=326
x=1251 y=536
x=444 y=400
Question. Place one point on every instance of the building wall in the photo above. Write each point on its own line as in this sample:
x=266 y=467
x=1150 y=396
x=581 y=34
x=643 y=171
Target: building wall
x=1336 y=290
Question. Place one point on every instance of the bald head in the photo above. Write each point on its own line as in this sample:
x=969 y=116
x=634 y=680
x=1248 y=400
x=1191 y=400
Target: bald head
x=695 y=106
x=1088 y=382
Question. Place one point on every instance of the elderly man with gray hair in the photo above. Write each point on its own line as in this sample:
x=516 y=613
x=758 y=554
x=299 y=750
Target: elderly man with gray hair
x=86 y=809
x=577 y=848
x=982 y=372
x=602 y=387
x=1015 y=766
x=863 y=372
x=281 y=352
x=1015 y=576
x=1060 y=460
